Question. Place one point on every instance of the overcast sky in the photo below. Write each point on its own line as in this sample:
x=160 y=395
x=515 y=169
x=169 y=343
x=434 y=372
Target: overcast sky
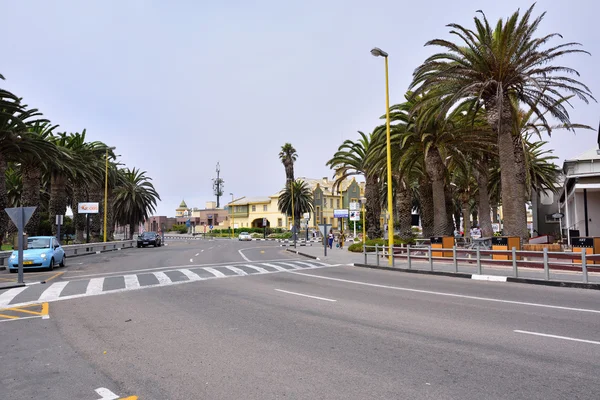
x=180 y=85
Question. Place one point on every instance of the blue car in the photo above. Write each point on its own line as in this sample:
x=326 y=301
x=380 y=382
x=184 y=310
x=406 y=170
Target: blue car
x=42 y=252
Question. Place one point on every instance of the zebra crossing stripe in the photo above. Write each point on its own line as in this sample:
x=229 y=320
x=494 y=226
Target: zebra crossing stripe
x=237 y=270
x=94 y=286
x=215 y=272
x=53 y=291
x=190 y=275
x=291 y=265
x=131 y=282
x=277 y=267
x=254 y=267
x=10 y=294
x=305 y=263
x=163 y=279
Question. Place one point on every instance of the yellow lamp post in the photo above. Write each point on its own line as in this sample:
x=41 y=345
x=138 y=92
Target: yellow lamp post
x=232 y=217
x=106 y=190
x=377 y=52
x=363 y=201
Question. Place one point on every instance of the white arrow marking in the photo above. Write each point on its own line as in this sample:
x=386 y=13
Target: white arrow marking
x=106 y=394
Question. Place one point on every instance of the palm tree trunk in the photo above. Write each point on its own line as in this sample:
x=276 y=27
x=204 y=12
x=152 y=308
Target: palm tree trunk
x=485 y=221
x=475 y=215
x=373 y=211
x=3 y=197
x=404 y=208
x=495 y=219
x=58 y=197
x=79 y=220
x=435 y=168
x=449 y=211
x=466 y=217
x=426 y=200
x=513 y=203
x=30 y=197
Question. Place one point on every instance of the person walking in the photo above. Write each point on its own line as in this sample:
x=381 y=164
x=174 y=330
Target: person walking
x=330 y=238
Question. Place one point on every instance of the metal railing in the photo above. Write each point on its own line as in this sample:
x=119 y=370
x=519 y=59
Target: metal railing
x=452 y=258
x=74 y=250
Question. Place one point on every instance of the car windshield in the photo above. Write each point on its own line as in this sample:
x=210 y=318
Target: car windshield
x=244 y=233
x=35 y=243
x=148 y=235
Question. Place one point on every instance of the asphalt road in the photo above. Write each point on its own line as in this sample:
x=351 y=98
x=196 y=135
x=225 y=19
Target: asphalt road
x=288 y=327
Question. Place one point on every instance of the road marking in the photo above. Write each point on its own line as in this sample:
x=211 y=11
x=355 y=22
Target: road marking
x=557 y=337
x=305 y=295
x=277 y=267
x=201 y=251
x=292 y=265
x=55 y=275
x=462 y=296
x=10 y=294
x=241 y=251
x=305 y=263
x=163 y=279
x=191 y=260
x=95 y=286
x=9 y=316
x=190 y=275
x=13 y=312
x=131 y=281
x=237 y=270
x=493 y=278
x=259 y=269
x=213 y=271
x=197 y=254
x=53 y=291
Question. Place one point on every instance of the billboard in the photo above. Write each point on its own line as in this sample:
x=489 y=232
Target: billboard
x=88 y=208
x=340 y=213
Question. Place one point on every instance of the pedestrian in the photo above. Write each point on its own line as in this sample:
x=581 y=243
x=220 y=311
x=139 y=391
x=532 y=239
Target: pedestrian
x=342 y=239
x=330 y=238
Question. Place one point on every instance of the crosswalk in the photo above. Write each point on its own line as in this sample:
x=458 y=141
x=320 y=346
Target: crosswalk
x=70 y=289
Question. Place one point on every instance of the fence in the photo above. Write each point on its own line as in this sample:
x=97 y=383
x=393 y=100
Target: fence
x=74 y=250
x=537 y=264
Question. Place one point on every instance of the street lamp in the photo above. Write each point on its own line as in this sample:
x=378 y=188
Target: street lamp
x=232 y=217
x=363 y=202
x=106 y=189
x=293 y=211
x=377 y=52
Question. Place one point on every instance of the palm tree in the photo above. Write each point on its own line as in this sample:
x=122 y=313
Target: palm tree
x=288 y=156
x=303 y=200
x=135 y=199
x=351 y=159
x=498 y=68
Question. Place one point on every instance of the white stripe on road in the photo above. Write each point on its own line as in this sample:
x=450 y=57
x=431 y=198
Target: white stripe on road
x=462 y=296
x=213 y=271
x=557 y=337
x=191 y=260
x=201 y=251
x=163 y=279
x=243 y=256
x=493 y=278
x=291 y=265
x=95 y=286
x=237 y=270
x=190 y=275
x=131 y=281
x=9 y=295
x=106 y=394
x=277 y=267
x=259 y=269
x=53 y=292
x=197 y=254
x=305 y=263
x=305 y=295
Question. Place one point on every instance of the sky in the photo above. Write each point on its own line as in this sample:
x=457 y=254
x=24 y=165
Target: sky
x=180 y=86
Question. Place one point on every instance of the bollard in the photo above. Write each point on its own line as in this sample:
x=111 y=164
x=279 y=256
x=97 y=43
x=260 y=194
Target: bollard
x=584 y=266
x=546 y=266
x=514 y=260
x=454 y=259
x=393 y=258
x=377 y=253
x=430 y=259
x=478 y=261
x=408 y=255
x=365 y=253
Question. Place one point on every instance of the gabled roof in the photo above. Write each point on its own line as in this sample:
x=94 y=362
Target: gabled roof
x=590 y=154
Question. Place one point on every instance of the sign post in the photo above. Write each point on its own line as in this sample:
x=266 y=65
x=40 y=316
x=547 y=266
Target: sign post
x=264 y=228
x=59 y=222
x=20 y=216
x=87 y=209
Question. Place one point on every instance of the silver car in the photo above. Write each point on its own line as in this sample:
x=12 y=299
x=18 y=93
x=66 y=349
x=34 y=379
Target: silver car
x=244 y=236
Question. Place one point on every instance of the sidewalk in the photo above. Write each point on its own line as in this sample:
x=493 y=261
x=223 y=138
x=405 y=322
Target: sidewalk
x=334 y=256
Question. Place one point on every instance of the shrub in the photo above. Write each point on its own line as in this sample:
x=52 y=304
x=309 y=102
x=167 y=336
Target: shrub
x=358 y=247
x=180 y=228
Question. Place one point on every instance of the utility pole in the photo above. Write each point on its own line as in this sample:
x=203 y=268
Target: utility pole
x=218 y=185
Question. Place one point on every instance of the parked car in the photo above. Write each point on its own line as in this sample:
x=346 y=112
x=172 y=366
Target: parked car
x=41 y=252
x=149 y=239
x=244 y=236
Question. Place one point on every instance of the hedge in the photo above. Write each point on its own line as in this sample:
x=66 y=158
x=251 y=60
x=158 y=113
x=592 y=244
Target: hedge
x=358 y=247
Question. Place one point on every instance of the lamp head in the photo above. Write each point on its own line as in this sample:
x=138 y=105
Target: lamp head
x=377 y=52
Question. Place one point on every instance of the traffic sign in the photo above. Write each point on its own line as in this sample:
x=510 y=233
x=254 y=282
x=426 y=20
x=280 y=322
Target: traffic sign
x=354 y=206
x=210 y=227
x=20 y=215
x=354 y=216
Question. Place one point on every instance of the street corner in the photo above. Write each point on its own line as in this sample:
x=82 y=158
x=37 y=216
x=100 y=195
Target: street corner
x=9 y=279
x=33 y=311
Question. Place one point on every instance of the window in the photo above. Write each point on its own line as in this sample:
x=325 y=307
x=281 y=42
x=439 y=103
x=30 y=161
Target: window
x=330 y=203
x=253 y=208
x=279 y=222
x=265 y=207
x=318 y=214
x=317 y=195
x=337 y=201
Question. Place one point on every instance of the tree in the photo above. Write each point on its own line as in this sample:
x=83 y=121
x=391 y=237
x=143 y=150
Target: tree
x=500 y=68
x=352 y=158
x=303 y=200
x=288 y=156
x=135 y=199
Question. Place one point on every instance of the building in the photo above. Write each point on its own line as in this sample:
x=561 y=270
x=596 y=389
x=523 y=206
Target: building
x=580 y=196
x=159 y=223
x=201 y=220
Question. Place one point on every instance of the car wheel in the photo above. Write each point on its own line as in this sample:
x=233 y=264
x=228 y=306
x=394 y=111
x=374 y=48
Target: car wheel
x=51 y=266
x=138 y=246
x=13 y=271
x=63 y=261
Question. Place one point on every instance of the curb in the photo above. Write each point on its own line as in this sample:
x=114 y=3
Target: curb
x=493 y=278
x=16 y=285
x=303 y=254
